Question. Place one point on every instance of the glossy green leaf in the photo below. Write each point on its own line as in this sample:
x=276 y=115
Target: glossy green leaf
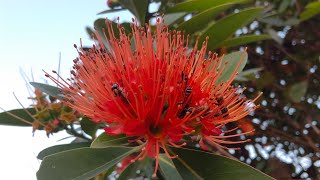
x=59 y=148
x=167 y=168
x=196 y=164
x=48 y=89
x=173 y=17
x=250 y=71
x=144 y=168
x=201 y=20
x=284 y=5
x=248 y=74
x=298 y=90
x=311 y=10
x=277 y=21
x=89 y=127
x=90 y=31
x=100 y=24
x=226 y=27
x=138 y=8
x=200 y=5
x=81 y=163
x=232 y=60
x=246 y=39
x=105 y=140
x=17 y=117
x=110 y=11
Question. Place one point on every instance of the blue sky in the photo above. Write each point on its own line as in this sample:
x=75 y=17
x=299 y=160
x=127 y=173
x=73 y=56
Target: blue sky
x=32 y=34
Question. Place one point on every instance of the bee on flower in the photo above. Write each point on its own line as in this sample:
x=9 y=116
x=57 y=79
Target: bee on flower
x=157 y=93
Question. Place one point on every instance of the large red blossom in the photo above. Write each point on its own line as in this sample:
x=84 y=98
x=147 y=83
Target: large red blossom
x=152 y=87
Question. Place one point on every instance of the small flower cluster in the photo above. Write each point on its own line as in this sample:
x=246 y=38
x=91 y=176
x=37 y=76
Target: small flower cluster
x=157 y=93
x=51 y=115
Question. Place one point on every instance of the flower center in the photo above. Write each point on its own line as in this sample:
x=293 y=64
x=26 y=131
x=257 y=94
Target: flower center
x=155 y=131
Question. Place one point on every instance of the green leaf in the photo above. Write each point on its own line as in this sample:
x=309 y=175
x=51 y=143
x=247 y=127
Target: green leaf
x=89 y=127
x=196 y=164
x=200 y=5
x=226 y=27
x=172 y=18
x=21 y=119
x=250 y=71
x=138 y=8
x=277 y=21
x=312 y=9
x=246 y=39
x=144 y=167
x=50 y=90
x=232 y=60
x=248 y=74
x=110 y=11
x=284 y=5
x=201 y=20
x=100 y=24
x=167 y=168
x=59 y=148
x=81 y=163
x=297 y=91
x=105 y=140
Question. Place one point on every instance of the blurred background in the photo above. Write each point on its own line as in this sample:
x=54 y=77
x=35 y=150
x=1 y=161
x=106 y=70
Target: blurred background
x=283 y=41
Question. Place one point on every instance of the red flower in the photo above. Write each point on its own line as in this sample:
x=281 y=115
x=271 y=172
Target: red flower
x=158 y=93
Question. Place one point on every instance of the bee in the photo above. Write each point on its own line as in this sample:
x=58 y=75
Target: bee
x=224 y=109
x=184 y=78
x=186 y=97
x=188 y=91
x=116 y=90
x=186 y=111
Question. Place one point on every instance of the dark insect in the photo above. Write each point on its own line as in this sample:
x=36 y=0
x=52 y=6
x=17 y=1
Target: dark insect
x=116 y=90
x=224 y=109
x=184 y=77
x=188 y=91
x=186 y=111
x=186 y=97
x=219 y=100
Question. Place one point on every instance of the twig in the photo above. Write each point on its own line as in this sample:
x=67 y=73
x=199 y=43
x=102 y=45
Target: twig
x=315 y=128
x=75 y=133
x=27 y=111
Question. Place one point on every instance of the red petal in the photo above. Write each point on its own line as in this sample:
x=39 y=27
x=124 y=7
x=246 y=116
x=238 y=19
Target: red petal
x=216 y=131
x=114 y=130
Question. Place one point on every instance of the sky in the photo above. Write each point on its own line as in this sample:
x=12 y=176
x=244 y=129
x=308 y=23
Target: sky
x=32 y=35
